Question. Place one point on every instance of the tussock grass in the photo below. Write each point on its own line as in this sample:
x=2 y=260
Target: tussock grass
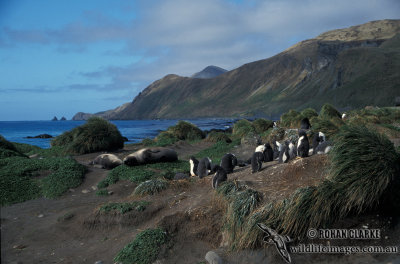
x=144 y=249
x=328 y=112
x=291 y=119
x=215 y=136
x=151 y=187
x=309 y=113
x=184 y=130
x=327 y=126
x=165 y=138
x=242 y=128
x=96 y=134
x=261 y=125
x=276 y=134
x=360 y=178
x=123 y=208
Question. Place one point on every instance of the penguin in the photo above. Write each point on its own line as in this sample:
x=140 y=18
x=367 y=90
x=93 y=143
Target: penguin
x=284 y=155
x=204 y=167
x=323 y=148
x=260 y=148
x=305 y=123
x=317 y=139
x=303 y=145
x=268 y=153
x=194 y=163
x=256 y=161
x=344 y=116
x=292 y=150
x=228 y=162
x=275 y=149
x=219 y=176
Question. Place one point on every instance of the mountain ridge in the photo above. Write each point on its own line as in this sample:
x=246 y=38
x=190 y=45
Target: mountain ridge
x=347 y=74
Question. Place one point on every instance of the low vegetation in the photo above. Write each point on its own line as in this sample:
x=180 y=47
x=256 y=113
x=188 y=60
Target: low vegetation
x=123 y=208
x=21 y=180
x=242 y=128
x=216 y=151
x=144 y=249
x=261 y=125
x=151 y=187
x=96 y=134
x=215 y=136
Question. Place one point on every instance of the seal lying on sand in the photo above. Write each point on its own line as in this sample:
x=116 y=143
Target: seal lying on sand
x=151 y=155
x=107 y=161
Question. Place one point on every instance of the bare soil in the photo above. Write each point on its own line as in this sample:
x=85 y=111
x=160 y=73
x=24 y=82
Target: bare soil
x=71 y=230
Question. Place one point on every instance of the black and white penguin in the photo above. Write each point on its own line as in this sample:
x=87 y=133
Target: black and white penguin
x=303 y=145
x=284 y=155
x=292 y=150
x=318 y=139
x=228 y=162
x=219 y=176
x=194 y=163
x=305 y=123
x=268 y=153
x=204 y=167
x=324 y=147
x=256 y=161
x=276 y=146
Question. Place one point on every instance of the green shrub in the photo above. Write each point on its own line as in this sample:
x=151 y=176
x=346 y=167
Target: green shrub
x=261 y=125
x=185 y=131
x=102 y=192
x=123 y=208
x=8 y=149
x=215 y=136
x=276 y=134
x=151 y=187
x=242 y=128
x=5 y=144
x=291 y=119
x=309 y=113
x=144 y=249
x=96 y=134
x=328 y=112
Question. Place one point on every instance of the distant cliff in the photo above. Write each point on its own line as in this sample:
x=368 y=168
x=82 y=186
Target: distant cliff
x=348 y=68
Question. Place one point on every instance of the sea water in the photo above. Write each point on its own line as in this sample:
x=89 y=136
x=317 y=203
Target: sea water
x=134 y=130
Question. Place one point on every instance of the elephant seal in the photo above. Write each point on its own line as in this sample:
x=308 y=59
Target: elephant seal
x=107 y=161
x=151 y=155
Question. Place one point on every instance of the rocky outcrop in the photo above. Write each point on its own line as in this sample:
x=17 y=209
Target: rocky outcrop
x=81 y=116
x=54 y=119
x=41 y=136
x=209 y=72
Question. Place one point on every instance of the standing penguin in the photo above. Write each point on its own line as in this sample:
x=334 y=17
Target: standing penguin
x=256 y=161
x=318 y=139
x=194 y=163
x=292 y=150
x=305 y=123
x=204 y=167
x=323 y=148
x=284 y=155
x=276 y=146
x=219 y=176
x=303 y=145
x=228 y=162
x=268 y=153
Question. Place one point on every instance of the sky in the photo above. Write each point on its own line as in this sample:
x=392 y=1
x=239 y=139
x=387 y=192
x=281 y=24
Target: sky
x=58 y=58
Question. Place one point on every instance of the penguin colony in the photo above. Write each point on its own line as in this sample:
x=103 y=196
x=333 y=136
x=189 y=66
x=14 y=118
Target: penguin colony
x=281 y=151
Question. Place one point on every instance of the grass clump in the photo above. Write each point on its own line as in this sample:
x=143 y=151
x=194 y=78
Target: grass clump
x=360 y=177
x=123 y=208
x=215 y=136
x=151 y=187
x=144 y=249
x=184 y=130
x=327 y=126
x=261 y=125
x=8 y=149
x=97 y=134
x=291 y=119
x=242 y=128
x=216 y=151
x=165 y=138
x=102 y=192
x=328 y=112
x=26 y=149
x=308 y=113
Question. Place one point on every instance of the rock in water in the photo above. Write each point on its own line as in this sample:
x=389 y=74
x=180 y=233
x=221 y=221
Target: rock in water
x=213 y=258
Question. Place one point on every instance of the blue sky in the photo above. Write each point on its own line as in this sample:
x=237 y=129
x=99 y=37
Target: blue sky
x=61 y=57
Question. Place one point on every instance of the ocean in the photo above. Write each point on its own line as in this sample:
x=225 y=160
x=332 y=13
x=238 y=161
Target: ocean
x=134 y=130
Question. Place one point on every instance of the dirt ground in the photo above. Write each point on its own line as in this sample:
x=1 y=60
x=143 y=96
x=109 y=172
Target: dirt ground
x=70 y=230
